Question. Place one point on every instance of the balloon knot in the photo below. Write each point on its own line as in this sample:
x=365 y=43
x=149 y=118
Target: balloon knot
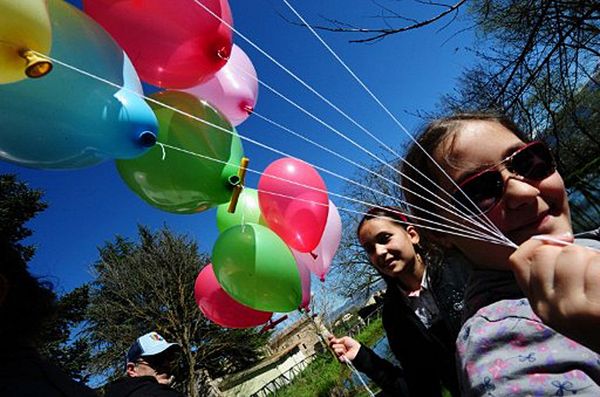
x=314 y=256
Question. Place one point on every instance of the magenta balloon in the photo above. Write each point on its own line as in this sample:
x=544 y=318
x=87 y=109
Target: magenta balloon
x=220 y=308
x=233 y=89
x=293 y=200
x=323 y=255
x=305 y=280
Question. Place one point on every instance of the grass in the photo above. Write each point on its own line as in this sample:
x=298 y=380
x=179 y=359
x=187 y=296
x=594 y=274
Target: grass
x=326 y=373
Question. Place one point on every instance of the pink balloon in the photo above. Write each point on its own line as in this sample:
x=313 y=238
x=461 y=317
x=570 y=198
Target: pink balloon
x=220 y=308
x=172 y=44
x=320 y=259
x=305 y=280
x=233 y=89
x=293 y=200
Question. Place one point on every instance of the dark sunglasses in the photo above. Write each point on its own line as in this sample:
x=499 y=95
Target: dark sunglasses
x=486 y=188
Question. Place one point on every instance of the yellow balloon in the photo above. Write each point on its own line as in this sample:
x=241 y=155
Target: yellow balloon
x=24 y=25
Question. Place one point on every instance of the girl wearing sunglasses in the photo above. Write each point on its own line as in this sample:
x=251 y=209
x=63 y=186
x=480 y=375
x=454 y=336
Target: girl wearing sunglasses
x=503 y=347
x=421 y=311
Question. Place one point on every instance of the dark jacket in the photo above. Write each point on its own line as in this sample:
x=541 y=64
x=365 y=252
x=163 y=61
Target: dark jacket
x=426 y=355
x=142 y=386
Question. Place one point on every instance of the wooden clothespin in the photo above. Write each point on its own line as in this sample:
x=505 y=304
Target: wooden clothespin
x=239 y=185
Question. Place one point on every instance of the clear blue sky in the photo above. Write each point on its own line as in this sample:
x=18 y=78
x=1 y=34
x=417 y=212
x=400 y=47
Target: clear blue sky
x=408 y=72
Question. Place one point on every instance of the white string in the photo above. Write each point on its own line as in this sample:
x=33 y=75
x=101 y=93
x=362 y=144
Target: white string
x=343 y=358
x=398 y=123
x=545 y=237
x=174 y=109
x=466 y=234
x=360 y=378
x=403 y=202
x=449 y=208
x=328 y=102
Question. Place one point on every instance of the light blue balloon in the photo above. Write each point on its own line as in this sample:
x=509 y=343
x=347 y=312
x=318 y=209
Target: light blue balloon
x=67 y=119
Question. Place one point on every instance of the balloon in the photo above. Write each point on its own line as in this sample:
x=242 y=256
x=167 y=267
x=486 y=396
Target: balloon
x=257 y=269
x=172 y=44
x=67 y=119
x=219 y=308
x=246 y=211
x=233 y=89
x=293 y=201
x=185 y=183
x=323 y=255
x=305 y=281
x=23 y=25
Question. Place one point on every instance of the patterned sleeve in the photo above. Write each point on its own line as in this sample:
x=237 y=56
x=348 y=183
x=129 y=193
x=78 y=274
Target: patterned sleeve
x=505 y=349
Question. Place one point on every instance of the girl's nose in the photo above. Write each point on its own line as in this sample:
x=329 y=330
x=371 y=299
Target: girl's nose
x=519 y=192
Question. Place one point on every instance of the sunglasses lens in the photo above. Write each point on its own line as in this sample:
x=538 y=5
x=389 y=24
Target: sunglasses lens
x=533 y=162
x=484 y=191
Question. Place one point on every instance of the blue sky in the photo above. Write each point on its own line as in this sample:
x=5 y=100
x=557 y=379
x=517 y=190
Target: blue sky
x=408 y=72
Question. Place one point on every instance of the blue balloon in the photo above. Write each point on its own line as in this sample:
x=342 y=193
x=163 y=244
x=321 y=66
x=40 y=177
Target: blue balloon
x=67 y=119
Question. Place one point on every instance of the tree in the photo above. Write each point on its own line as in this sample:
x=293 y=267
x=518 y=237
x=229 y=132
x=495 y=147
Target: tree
x=538 y=62
x=60 y=341
x=18 y=205
x=148 y=285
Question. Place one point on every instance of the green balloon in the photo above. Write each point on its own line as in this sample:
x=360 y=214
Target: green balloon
x=246 y=211
x=185 y=183
x=257 y=269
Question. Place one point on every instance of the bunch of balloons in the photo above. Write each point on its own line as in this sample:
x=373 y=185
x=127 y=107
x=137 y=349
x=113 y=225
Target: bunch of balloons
x=268 y=247
x=71 y=97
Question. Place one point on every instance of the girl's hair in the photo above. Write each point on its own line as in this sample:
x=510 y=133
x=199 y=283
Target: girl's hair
x=396 y=213
x=431 y=137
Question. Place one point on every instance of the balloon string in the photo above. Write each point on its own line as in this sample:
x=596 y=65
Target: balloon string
x=398 y=123
x=174 y=109
x=396 y=199
x=458 y=213
x=449 y=229
x=319 y=332
x=164 y=153
x=341 y=112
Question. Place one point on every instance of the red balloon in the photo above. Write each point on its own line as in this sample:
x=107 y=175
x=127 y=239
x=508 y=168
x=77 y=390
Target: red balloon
x=171 y=43
x=293 y=200
x=220 y=308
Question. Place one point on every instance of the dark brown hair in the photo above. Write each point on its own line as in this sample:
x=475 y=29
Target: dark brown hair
x=395 y=213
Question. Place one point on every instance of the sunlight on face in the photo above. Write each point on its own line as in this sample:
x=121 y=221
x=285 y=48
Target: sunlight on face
x=527 y=207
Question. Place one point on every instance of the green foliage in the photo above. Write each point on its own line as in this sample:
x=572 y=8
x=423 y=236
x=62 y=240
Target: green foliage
x=18 y=205
x=371 y=333
x=318 y=379
x=148 y=285
x=326 y=376
x=59 y=341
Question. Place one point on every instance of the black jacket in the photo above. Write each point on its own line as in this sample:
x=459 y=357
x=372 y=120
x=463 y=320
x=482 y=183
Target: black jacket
x=426 y=355
x=142 y=386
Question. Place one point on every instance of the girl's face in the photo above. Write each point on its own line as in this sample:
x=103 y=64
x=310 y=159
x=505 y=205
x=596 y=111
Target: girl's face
x=527 y=207
x=390 y=247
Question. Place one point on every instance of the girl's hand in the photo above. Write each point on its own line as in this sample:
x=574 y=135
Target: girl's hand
x=345 y=347
x=562 y=284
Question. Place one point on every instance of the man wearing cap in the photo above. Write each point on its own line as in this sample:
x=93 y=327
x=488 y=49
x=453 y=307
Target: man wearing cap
x=148 y=370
